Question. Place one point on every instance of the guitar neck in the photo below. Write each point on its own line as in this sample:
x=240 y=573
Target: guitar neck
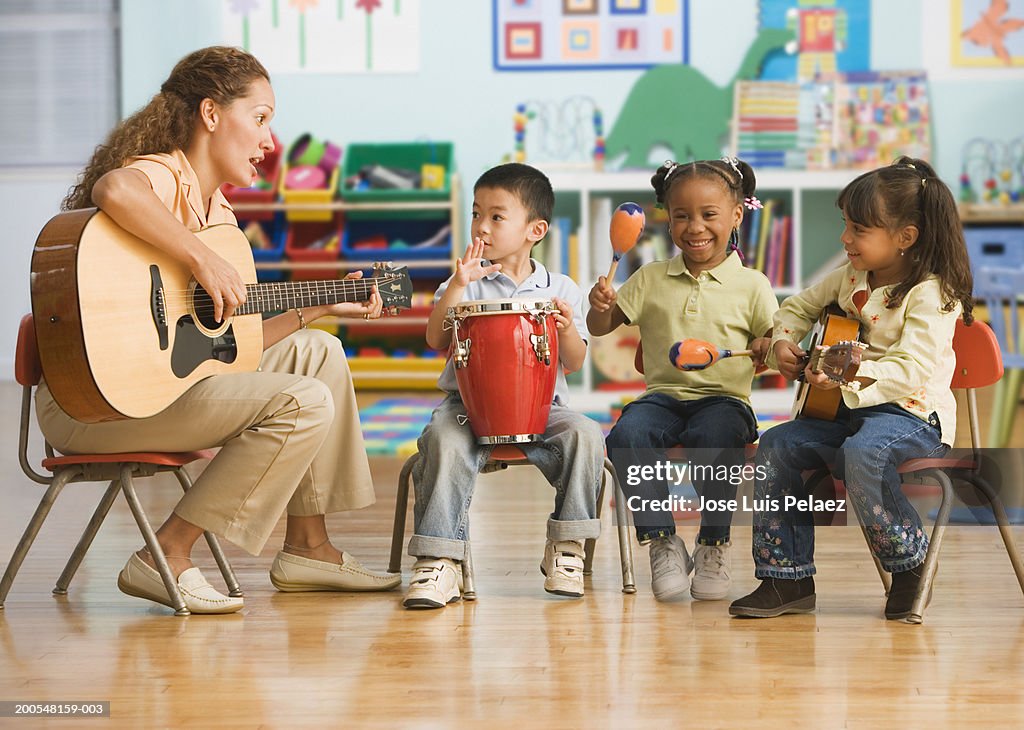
x=278 y=296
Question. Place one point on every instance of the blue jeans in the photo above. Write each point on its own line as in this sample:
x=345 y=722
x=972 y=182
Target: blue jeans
x=570 y=455
x=863 y=447
x=717 y=427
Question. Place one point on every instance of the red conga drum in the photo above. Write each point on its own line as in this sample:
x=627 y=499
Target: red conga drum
x=505 y=353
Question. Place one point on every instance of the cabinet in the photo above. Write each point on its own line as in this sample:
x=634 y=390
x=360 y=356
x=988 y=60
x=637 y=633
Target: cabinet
x=357 y=221
x=589 y=197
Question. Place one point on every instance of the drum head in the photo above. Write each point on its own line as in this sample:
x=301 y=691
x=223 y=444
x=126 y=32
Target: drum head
x=494 y=306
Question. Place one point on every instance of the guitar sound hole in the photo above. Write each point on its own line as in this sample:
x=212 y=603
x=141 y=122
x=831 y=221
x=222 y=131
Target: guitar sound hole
x=204 y=312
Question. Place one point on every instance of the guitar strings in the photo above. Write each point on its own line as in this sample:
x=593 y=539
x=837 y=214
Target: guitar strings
x=290 y=290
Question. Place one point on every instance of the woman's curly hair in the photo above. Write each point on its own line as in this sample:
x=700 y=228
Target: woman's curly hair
x=166 y=123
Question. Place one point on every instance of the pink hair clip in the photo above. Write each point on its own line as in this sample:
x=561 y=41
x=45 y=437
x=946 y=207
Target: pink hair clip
x=753 y=203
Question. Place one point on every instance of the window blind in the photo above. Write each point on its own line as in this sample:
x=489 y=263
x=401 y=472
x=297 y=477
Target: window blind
x=58 y=79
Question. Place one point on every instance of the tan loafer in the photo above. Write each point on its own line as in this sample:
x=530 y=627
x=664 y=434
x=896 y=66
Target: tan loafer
x=139 y=580
x=293 y=573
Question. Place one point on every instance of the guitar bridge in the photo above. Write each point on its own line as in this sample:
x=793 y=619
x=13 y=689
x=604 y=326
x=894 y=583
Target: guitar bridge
x=157 y=305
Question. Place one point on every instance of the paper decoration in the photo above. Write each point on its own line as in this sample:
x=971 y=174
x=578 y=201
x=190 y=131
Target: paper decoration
x=326 y=36
x=987 y=33
x=831 y=36
x=861 y=120
x=535 y=35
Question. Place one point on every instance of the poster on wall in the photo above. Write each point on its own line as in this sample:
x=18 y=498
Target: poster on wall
x=567 y=35
x=987 y=33
x=326 y=36
x=830 y=36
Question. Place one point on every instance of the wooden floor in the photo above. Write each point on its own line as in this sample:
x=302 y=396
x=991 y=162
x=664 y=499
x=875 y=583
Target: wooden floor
x=516 y=657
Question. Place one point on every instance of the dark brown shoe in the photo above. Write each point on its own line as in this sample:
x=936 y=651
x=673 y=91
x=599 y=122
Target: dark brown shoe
x=902 y=593
x=775 y=597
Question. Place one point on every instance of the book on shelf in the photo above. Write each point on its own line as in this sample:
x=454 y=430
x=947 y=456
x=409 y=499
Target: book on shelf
x=765 y=240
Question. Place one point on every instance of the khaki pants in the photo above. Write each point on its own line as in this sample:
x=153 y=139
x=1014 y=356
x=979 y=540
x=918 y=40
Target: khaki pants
x=289 y=437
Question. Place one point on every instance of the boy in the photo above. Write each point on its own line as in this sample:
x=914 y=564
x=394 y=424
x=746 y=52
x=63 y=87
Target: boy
x=512 y=205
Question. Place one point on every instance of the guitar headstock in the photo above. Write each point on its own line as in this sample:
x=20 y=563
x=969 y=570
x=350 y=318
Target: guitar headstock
x=394 y=286
x=839 y=362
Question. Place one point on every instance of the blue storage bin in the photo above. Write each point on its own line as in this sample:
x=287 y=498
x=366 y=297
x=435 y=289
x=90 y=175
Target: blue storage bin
x=422 y=239
x=1000 y=247
x=276 y=231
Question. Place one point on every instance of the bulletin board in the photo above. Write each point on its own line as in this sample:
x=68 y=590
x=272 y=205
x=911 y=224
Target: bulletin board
x=880 y=116
x=568 y=35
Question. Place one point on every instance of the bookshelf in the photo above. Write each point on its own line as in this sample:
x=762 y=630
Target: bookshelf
x=590 y=196
x=381 y=370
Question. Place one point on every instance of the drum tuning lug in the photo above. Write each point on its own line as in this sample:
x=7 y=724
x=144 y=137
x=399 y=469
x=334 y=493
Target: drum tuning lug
x=460 y=353
x=542 y=348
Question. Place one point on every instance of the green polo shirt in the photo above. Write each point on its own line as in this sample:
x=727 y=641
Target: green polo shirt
x=727 y=306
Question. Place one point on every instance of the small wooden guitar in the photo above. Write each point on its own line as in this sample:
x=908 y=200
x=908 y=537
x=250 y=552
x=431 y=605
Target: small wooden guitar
x=124 y=329
x=835 y=350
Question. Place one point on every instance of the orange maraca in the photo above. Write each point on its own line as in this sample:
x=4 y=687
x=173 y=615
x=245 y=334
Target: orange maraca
x=690 y=354
x=625 y=230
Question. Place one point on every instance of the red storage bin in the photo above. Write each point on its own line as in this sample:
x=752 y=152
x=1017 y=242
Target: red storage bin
x=314 y=241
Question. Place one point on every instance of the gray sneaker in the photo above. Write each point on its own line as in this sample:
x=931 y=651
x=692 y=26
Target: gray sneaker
x=670 y=567
x=711 y=573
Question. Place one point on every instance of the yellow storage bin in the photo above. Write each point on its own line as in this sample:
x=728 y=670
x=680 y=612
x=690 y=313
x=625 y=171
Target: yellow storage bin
x=316 y=196
x=394 y=373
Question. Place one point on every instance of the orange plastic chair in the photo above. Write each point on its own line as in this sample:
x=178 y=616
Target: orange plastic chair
x=502 y=457
x=119 y=469
x=978 y=364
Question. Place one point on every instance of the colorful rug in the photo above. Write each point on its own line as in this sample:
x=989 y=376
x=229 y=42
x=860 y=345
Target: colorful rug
x=392 y=425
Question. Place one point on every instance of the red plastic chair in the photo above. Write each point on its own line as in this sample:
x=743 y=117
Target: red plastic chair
x=978 y=364
x=502 y=457
x=119 y=469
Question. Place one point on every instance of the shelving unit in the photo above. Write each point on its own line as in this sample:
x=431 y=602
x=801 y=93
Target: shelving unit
x=379 y=372
x=811 y=195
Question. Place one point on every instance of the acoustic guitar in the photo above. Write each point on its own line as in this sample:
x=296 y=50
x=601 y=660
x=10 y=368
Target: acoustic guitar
x=124 y=329
x=835 y=349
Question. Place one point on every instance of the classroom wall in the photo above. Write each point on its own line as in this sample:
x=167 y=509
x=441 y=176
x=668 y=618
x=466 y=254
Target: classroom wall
x=457 y=96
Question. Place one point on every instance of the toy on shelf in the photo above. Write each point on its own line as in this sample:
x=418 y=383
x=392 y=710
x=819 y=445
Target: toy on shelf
x=569 y=133
x=309 y=177
x=992 y=172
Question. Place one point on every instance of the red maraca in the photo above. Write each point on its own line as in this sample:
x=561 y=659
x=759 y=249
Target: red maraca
x=625 y=230
x=692 y=354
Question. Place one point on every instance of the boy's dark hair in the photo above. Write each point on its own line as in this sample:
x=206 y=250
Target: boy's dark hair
x=909 y=193
x=529 y=184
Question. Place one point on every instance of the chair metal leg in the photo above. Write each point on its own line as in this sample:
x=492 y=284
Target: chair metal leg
x=401 y=509
x=88 y=536
x=226 y=571
x=170 y=584
x=29 y=536
x=625 y=542
x=468 y=585
x=931 y=558
x=1004 y=527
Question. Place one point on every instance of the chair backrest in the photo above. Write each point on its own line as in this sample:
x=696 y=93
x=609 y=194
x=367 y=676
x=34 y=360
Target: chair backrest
x=979 y=360
x=999 y=289
x=28 y=369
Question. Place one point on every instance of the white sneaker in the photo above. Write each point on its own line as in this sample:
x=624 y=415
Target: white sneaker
x=670 y=567
x=563 y=568
x=435 y=583
x=711 y=575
